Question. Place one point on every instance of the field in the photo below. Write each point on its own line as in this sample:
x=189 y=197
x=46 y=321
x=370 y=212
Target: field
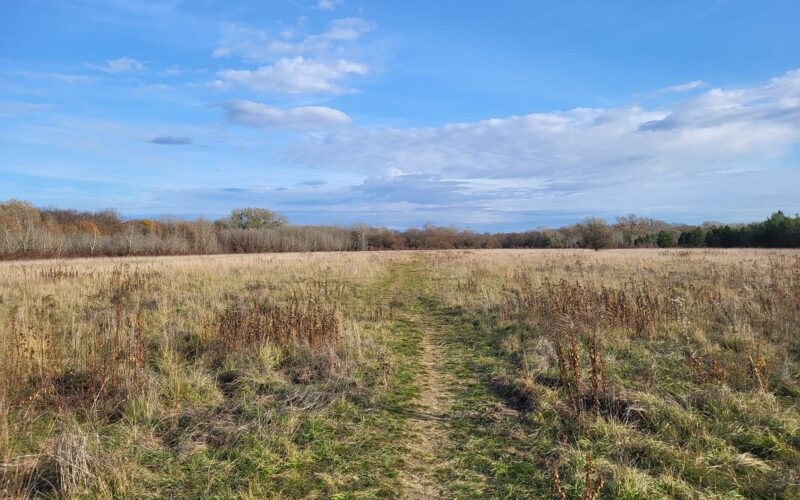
x=514 y=374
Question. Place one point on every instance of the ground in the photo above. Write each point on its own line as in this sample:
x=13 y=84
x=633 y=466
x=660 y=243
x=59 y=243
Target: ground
x=521 y=374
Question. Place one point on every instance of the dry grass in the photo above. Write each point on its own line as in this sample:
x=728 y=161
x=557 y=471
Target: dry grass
x=630 y=373
x=679 y=366
x=124 y=345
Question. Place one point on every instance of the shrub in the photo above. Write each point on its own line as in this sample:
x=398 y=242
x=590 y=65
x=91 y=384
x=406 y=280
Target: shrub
x=253 y=218
x=665 y=240
x=595 y=233
x=694 y=238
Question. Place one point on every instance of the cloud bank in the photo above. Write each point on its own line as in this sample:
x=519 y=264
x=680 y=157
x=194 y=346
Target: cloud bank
x=668 y=159
x=582 y=144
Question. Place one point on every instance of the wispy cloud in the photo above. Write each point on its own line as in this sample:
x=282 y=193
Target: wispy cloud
x=16 y=108
x=120 y=65
x=345 y=29
x=172 y=71
x=171 y=140
x=295 y=75
x=254 y=114
x=328 y=4
x=293 y=64
x=55 y=76
x=768 y=110
x=420 y=189
x=683 y=87
x=261 y=46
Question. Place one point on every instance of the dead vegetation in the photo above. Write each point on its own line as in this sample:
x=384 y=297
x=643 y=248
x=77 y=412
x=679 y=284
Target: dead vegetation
x=248 y=326
x=668 y=364
x=606 y=374
x=98 y=354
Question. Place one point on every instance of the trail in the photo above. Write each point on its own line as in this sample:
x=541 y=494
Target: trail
x=427 y=418
x=436 y=459
x=427 y=423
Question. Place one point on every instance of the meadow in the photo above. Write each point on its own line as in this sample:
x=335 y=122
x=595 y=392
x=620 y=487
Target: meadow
x=453 y=374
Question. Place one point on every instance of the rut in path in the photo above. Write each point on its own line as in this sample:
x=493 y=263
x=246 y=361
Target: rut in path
x=434 y=456
x=427 y=422
x=428 y=418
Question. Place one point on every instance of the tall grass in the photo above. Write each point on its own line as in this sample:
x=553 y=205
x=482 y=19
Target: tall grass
x=102 y=361
x=676 y=366
x=630 y=373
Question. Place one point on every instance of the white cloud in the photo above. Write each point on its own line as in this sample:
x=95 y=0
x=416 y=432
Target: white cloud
x=241 y=40
x=294 y=76
x=120 y=65
x=292 y=63
x=327 y=4
x=172 y=71
x=60 y=77
x=345 y=29
x=580 y=149
x=683 y=87
x=254 y=114
x=259 y=45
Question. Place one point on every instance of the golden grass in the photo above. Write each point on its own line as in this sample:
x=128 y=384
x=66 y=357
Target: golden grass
x=653 y=371
x=692 y=355
x=138 y=338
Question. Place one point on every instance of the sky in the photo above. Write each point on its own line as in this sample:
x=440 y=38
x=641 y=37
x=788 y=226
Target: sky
x=500 y=115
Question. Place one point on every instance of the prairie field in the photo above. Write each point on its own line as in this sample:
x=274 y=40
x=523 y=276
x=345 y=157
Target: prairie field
x=411 y=374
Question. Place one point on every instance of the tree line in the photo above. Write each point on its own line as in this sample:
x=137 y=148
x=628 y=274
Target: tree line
x=30 y=232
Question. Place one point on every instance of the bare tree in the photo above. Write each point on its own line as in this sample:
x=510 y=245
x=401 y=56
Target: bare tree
x=205 y=237
x=361 y=232
x=129 y=235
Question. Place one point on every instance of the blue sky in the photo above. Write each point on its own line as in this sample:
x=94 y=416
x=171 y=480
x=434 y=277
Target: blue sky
x=493 y=115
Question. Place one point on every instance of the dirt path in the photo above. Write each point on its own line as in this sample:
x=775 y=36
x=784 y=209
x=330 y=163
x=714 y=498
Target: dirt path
x=427 y=423
x=427 y=418
x=457 y=432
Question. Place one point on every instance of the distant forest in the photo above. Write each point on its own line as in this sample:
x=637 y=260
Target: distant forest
x=30 y=232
